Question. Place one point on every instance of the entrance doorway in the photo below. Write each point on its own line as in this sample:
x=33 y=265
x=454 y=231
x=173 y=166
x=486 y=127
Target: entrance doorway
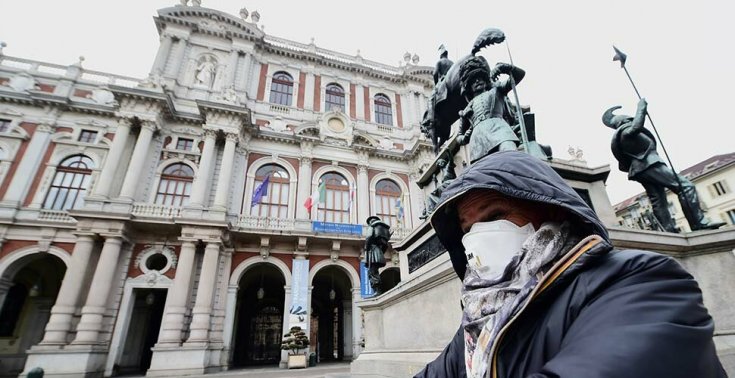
x=331 y=314
x=259 y=317
x=145 y=324
x=28 y=289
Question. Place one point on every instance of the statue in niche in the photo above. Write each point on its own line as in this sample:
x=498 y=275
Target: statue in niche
x=205 y=72
x=376 y=244
x=634 y=146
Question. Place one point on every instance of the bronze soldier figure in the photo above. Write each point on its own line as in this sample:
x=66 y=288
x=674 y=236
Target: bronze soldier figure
x=634 y=147
x=375 y=245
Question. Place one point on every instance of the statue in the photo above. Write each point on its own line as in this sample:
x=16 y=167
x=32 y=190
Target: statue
x=634 y=147
x=447 y=165
x=205 y=71
x=375 y=245
x=486 y=115
x=443 y=65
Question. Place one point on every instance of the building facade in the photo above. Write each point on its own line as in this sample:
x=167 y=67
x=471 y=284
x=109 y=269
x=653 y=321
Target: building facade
x=183 y=222
x=712 y=178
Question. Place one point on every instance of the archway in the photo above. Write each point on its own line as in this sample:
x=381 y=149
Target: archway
x=30 y=286
x=259 y=316
x=331 y=314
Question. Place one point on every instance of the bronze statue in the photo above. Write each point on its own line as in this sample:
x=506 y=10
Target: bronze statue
x=443 y=65
x=376 y=244
x=634 y=146
x=486 y=115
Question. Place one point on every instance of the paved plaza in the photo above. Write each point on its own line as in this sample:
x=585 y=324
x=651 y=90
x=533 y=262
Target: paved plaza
x=326 y=370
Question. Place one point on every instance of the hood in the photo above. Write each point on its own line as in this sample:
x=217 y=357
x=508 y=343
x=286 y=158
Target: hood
x=515 y=174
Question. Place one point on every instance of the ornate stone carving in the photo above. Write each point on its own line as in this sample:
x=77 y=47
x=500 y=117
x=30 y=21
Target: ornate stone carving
x=103 y=97
x=206 y=70
x=210 y=134
x=150 y=250
x=22 y=82
x=424 y=253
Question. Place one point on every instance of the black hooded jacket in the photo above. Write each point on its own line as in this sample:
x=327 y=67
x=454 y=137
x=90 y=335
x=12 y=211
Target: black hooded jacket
x=599 y=312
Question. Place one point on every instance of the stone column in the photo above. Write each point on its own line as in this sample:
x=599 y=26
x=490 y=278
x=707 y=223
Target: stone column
x=286 y=319
x=104 y=183
x=303 y=187
x=178 y=57
x=356 y=323
x=69 y=295
x=232 y=68
x=417 y=198
x=199 y=187
x=160 y=62
x=140 y=152
x=225 y=173
x=175 y=311
x=363 y=192
x=94 y=309
x=29 y=163
x=202 y=312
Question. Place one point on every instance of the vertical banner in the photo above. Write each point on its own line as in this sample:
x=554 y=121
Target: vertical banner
x=299 y=294
x=366 y=291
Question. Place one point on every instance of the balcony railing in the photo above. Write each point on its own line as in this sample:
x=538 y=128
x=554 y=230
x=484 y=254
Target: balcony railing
x=60 y=216
x=148 y=210
x=265 y=223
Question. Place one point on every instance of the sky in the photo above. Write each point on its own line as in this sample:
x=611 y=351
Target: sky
x=680 y=55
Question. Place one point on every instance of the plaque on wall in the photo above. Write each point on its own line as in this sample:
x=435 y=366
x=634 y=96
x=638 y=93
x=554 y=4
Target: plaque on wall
x=424 y=253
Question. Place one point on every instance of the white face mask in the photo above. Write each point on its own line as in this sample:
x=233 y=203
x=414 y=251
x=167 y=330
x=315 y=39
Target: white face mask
x=490 y=246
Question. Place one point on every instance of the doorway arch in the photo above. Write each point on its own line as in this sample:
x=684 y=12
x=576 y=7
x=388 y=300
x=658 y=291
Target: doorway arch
x=258 y=320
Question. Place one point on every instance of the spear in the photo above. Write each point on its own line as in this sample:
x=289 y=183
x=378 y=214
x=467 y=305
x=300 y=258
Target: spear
x=519 y=111
x=621 y=57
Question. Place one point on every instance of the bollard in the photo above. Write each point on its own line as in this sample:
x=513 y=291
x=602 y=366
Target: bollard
x=36 y=372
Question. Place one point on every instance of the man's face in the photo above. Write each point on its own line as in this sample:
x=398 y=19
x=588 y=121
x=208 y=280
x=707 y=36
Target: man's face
x=487 y=205
x=478 y=85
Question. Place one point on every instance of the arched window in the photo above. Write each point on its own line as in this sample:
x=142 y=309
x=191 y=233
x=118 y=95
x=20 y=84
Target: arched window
x=70 y=183
x=388 y=203
x=335 y=97
x=274 y=200
x=282 y=89
x=383 y=112
x=175 y=186
x=335 y=206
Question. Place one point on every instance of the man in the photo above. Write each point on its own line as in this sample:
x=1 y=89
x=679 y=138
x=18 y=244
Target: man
x=443 y=65
x=485 y=119
x=375 y=245
x=545 y=295
x=635 y=149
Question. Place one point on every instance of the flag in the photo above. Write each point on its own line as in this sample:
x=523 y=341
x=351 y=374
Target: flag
x=399 y=212
x=260 y=192
x=319 y=196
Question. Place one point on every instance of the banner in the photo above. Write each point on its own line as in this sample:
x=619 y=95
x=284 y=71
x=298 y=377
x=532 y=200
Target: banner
x=299 y=294
x=336 y=228
x=366 y=291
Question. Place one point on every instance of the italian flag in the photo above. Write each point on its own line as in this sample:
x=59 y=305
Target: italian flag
x=319 y=196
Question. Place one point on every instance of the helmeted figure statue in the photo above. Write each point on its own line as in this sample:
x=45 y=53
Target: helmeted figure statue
x=443 y=65
x=486 y=117
x=376 y=244
x=634 y=147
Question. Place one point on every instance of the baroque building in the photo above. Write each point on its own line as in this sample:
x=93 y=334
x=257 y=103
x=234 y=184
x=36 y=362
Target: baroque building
x=712 y=179
x=183 y=222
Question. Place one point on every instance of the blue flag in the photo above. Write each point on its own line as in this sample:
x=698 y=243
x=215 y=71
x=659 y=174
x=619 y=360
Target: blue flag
x=399 y=208
x=260 y=192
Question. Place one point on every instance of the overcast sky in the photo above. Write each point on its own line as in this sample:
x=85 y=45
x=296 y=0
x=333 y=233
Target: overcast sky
x=680 y=54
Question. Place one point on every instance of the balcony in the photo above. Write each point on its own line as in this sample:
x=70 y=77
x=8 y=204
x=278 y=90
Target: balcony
x=265 y=223
x=147 y=210
x=59 y=216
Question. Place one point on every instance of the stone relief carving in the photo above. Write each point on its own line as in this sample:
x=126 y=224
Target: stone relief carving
x=206 y=71
x=23 y=82
x=386 y=144
x=103 y=97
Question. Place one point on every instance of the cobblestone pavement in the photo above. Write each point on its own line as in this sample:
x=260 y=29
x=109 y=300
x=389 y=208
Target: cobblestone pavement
x=325 y=370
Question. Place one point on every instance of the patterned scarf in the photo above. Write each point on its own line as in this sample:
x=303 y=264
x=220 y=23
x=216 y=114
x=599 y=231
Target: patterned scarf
x=490 y=303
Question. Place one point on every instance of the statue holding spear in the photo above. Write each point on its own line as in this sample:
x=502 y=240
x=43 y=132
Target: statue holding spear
x=634 y=146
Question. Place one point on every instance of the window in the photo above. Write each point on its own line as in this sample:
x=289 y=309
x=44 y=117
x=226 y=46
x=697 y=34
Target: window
x=719 y=188
x=383 y=112
x=184 y=144
x=388 y=204
x=274 y=203
x=87 y=136
x=4 y=125
x=282 y=89
x=731 y=216
x=70 y=183
x=175 y=186
x=335 y=206
x=335 y=97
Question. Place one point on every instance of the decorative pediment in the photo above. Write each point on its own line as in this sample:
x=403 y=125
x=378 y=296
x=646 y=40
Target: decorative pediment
x=209 y=21
x=363 y=139
x=307 y=129
x=336 y=125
